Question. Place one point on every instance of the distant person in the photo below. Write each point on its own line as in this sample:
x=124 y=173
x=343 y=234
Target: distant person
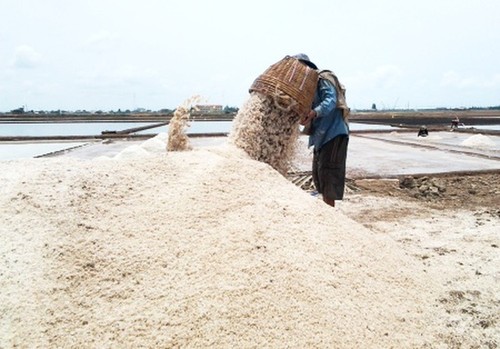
x=455 y=122
x=328 y=134
x=423 y=132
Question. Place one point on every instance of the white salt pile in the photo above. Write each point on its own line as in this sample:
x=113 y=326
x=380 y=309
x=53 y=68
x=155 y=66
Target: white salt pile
x=478 y=141
x=199 y=249
x=133 y=151
x=155 y=144
x=152 y=146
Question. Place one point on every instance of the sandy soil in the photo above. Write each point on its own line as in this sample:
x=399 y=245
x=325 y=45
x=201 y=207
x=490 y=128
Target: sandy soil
x=209 y=248
x=450 y=226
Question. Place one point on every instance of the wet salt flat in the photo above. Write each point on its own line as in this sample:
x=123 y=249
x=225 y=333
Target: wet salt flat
x=66 y=128
x=367 y=156
x=446 y=140
x=390 y=153
x=370 y=157
x=13 y=151
x=197 y=127
x=370 y=127
x=95 y=128
x=487 y=127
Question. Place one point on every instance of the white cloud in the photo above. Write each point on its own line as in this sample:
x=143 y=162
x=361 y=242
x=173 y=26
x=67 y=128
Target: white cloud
x=101 y=38
x=385 y=76
x=494 y=81
x=104 y=43
x=99 y=53
x=120 y=75
x=454 y=79
x=26 y=57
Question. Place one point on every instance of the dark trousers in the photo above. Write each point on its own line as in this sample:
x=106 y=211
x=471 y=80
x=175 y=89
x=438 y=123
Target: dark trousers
x=328 y=168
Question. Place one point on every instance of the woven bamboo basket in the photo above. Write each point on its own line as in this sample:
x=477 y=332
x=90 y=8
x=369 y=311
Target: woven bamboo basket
x=290 y=83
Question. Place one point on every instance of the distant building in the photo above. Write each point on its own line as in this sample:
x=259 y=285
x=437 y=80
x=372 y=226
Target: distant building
x=208 y=109
x=18 y=111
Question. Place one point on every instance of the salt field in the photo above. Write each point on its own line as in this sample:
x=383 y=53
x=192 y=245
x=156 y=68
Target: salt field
x=66 y=128
x=176 y=175
x=96 y=128
x=16 y=150
x=106 y=238
x=372 y=155
x=388 y=152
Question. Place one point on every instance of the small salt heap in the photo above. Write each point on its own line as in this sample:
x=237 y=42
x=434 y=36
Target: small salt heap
x=478 y=141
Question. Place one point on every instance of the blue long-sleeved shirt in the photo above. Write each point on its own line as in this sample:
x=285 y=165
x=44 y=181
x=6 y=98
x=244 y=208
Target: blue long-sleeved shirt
x=328 y=122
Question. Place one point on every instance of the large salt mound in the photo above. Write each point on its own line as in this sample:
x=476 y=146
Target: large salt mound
x=198 y=249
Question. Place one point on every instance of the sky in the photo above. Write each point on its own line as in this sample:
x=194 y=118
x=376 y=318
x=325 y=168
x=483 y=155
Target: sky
x=155 y=54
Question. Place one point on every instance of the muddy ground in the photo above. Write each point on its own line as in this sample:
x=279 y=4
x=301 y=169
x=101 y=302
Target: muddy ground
x=471 y=191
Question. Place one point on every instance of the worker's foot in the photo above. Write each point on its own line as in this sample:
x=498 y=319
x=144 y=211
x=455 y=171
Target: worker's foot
x=329 y=201
x=315 y=193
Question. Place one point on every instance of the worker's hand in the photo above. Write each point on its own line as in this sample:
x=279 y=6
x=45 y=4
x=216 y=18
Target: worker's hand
x=311 y=115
